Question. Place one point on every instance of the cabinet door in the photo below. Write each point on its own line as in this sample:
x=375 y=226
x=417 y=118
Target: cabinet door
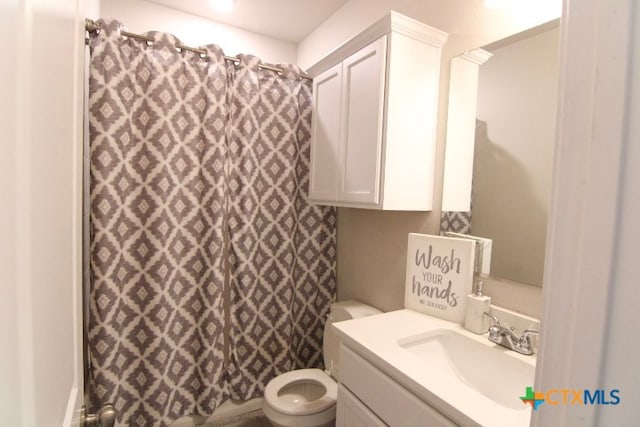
x=353 y=413
x=361 y=131
x=325 y=152
x=388 y=399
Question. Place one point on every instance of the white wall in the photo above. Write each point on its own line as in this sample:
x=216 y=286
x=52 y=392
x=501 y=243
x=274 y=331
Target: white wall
x=517 y=96
x=376 y=275
x=9 y=332
x=40 y=187
x=139 y=16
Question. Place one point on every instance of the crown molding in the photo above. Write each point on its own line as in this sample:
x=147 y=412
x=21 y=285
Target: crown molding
x=477 y=56
x=391 y=23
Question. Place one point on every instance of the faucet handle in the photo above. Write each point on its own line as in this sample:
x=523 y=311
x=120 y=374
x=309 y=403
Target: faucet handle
x=525 y=341
x=494 y=332
x=494 y=319
x=527 y=332
x=495 y=329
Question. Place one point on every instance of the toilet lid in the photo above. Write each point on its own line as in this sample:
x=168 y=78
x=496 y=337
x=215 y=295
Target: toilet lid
x=301 y=408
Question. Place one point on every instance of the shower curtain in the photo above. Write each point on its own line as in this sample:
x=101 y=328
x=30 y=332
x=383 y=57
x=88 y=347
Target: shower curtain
x=210 y=272
x=282 y=250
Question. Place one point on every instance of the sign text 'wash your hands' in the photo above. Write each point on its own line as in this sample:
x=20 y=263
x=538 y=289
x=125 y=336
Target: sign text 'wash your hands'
x=439 y=275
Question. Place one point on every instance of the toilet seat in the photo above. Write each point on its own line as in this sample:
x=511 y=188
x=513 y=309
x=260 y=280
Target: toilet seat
x=317 y=376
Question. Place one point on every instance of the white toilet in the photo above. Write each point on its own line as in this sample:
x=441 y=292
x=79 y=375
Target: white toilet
x=307 y=397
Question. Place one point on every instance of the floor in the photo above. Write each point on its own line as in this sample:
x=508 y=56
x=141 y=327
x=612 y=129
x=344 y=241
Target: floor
x=229 y=414
x=251 y=419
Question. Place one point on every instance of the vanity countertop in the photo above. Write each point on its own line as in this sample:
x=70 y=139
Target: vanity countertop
x=378 y=339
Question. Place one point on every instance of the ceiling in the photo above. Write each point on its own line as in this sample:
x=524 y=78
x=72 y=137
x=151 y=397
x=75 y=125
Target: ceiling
x=290 y=20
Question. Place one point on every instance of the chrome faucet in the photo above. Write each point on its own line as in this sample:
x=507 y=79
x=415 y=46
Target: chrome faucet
x=505 y=337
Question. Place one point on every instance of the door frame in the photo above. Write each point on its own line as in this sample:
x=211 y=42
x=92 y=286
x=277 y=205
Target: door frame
x=593 y=236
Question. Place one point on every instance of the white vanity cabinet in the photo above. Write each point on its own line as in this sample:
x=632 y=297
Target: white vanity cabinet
x=351 y=412
x=374 y=118
x=369 y=397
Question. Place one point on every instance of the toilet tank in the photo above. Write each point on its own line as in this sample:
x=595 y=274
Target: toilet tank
x=344 y=310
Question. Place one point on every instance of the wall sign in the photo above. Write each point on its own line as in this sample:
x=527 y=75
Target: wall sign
x=439 y=275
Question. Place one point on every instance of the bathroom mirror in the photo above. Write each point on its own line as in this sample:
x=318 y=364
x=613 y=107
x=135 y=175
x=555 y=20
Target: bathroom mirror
x=499 y=149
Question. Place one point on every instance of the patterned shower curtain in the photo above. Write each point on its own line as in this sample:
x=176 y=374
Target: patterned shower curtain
x=282 y=249
x=202 y=241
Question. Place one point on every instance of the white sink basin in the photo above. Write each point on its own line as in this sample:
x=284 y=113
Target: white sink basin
x=464 y=376
x=474 y=363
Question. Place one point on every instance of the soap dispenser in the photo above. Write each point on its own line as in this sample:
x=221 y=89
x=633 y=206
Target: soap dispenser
x=477 y=305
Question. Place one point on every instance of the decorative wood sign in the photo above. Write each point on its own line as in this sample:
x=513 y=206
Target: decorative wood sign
x=439 y=275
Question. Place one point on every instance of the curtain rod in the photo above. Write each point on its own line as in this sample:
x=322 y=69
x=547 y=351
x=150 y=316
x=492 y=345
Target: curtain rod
x=92 y=27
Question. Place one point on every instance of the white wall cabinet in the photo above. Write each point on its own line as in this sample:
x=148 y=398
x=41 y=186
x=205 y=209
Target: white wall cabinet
x=374 y=122
x=349 y=101
x=325 y=148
